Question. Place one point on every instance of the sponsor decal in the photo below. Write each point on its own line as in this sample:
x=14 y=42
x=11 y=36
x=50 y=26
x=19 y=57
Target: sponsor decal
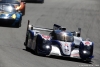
x=46 y=37
x=87 y=43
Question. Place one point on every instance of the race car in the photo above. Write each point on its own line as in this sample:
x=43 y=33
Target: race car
x=59 y=42
x=38 y=1
x=19 y=4
x=9 y=16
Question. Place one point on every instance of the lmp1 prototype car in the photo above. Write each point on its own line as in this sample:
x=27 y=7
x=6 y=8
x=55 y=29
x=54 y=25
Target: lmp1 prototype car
x=59 y=42
x=19 y=4
x=9 y=16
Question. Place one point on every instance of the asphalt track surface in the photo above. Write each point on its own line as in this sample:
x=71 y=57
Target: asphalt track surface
x=68 y=13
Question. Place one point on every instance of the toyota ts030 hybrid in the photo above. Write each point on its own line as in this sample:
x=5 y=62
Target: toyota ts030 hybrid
x=9 y=16
x=59 y=42
x=19 y=4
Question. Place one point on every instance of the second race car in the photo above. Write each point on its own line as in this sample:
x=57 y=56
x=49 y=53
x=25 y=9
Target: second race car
x=59 y=42
x=9 y=16
x=19 y=4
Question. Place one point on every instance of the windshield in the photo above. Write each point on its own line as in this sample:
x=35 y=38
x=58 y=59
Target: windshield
x=10 y=1
x=64 y=36
x=7 y=8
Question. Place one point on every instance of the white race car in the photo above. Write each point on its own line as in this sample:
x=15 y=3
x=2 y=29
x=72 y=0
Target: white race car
x=59 y=42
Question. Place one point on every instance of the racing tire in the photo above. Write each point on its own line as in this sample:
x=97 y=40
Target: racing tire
x=39 y=53
x=26 y=43
x=88 y=60
x=27 y=49
x=36 y=51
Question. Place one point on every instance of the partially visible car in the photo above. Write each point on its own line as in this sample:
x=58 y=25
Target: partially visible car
x=38 y=1
x=9 y=16
x=19 y=4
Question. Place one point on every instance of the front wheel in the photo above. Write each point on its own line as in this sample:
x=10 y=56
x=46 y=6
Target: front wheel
x=88 y=60
x=36 y=50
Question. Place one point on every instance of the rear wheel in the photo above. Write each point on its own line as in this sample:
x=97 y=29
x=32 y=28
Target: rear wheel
x=28 y=45
x=27 y=49
x=26 y=42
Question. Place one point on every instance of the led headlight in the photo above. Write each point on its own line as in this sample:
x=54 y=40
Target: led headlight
x=13 y=16
x=47 y=46
x=84 y=52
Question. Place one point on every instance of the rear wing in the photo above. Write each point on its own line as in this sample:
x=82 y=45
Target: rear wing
x=55 y=27
x=31 y=27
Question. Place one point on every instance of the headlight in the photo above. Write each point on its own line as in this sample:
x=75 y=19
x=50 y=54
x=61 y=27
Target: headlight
x=84 y=52
x=46 y=47
x=13 y=16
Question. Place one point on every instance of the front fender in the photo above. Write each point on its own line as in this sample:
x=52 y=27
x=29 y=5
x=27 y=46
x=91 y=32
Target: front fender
x=86 y=49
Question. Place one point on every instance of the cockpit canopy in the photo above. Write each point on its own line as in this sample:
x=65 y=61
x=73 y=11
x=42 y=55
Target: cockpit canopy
x=62 y=36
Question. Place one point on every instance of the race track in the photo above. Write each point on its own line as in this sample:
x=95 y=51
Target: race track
x=68 y=13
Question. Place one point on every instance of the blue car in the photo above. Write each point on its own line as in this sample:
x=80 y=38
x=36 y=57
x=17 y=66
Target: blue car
x=9 y=16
